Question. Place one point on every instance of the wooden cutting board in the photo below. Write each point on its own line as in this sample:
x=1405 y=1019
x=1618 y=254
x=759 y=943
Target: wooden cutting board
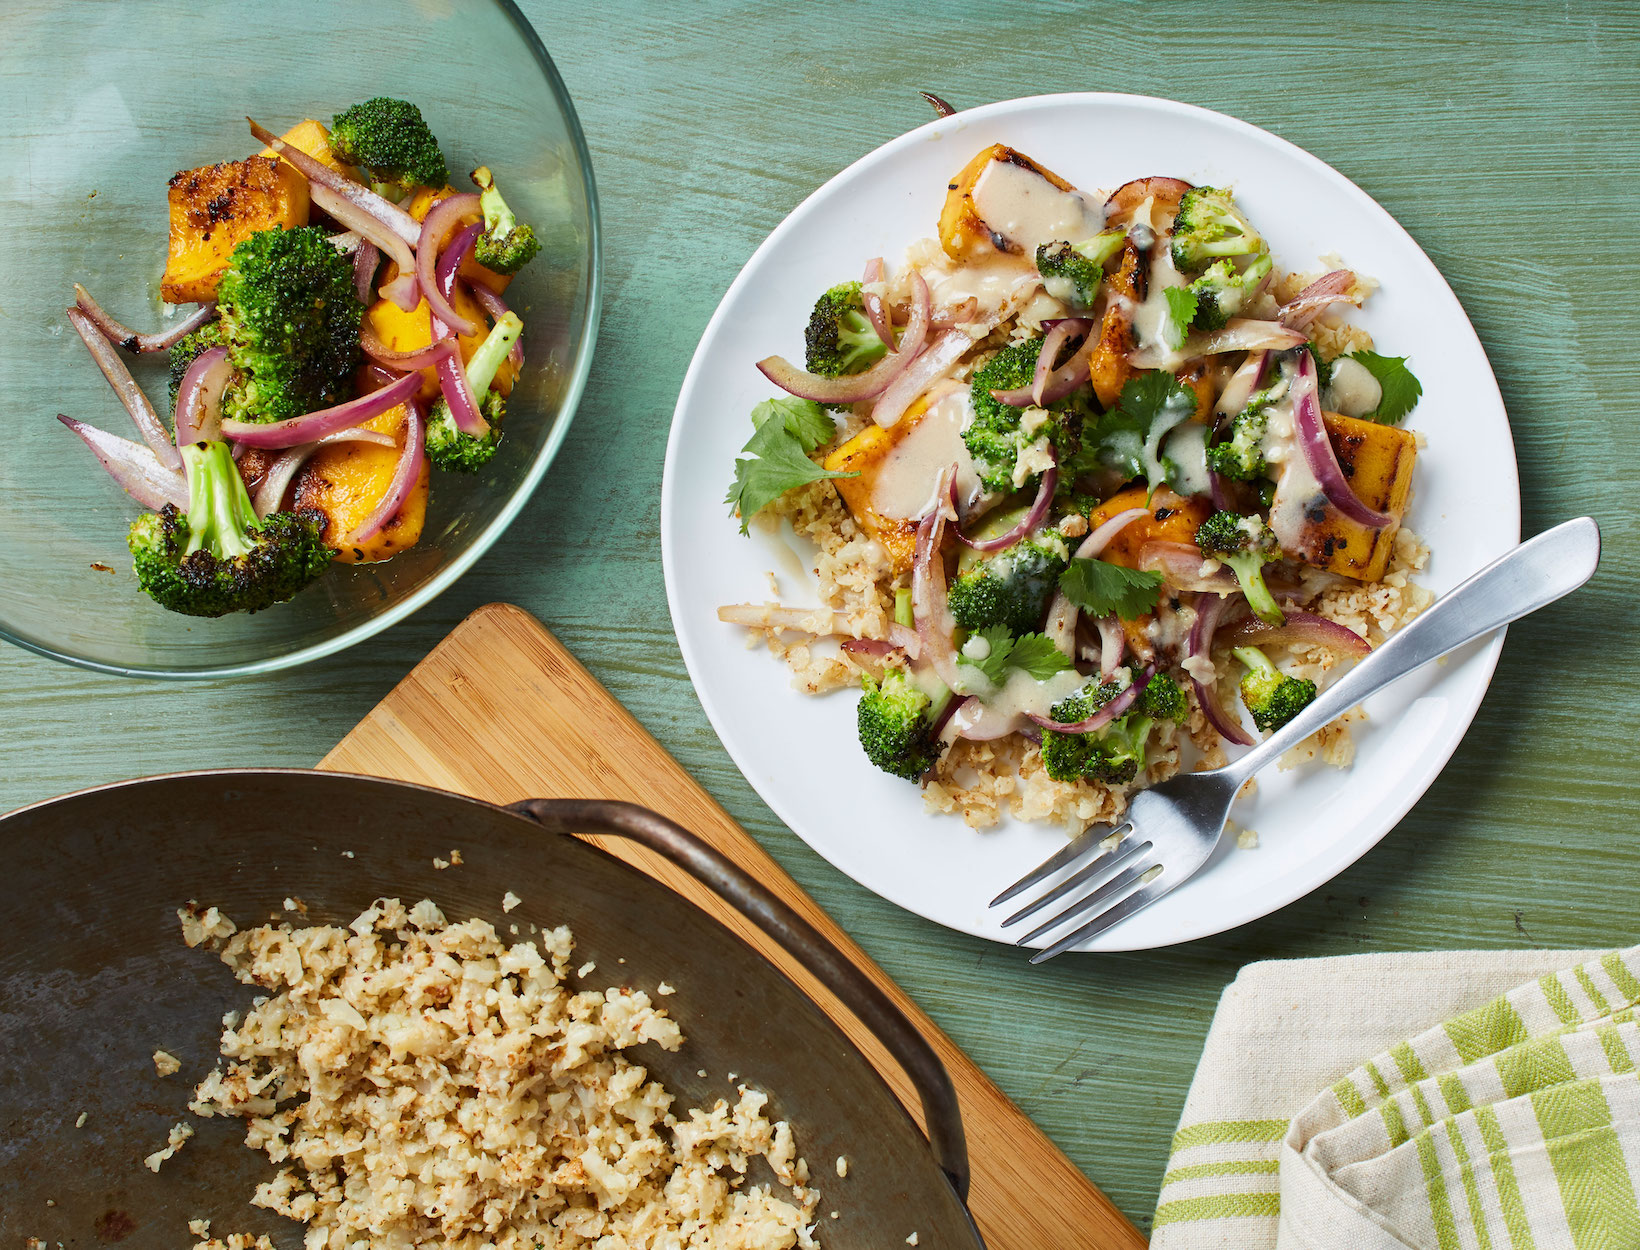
x=501 y=711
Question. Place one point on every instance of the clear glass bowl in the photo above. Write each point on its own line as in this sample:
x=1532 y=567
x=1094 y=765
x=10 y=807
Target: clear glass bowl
x=99 y=104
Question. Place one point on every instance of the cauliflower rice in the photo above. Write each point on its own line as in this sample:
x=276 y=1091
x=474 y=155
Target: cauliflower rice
x=425 y=1084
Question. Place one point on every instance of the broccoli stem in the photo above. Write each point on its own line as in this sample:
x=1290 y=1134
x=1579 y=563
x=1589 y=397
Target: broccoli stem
x=903 y=613
x=219 y=507
x=1256 y=662
x=481 y=369
x=1249 y=571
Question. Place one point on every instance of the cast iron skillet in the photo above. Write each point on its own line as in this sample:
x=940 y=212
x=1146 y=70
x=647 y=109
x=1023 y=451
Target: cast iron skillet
x=94 y=978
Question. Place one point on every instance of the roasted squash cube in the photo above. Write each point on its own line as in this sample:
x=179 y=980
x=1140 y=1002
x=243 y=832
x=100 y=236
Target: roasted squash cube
x=215 y=208
x=866 y=454
x=410 y=331
x=345 y=481
x=1171 y=520
x=962 y=231
x=421 y=203
x=313 y=138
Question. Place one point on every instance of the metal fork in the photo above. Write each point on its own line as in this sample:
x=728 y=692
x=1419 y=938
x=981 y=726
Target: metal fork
x=1172 y=828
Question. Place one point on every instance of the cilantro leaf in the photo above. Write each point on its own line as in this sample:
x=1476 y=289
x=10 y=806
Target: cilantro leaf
x=1036 y=654
x=780 y=465
x=1128 y=438
x=806 y=421
x=1181 y=311
x=1103 y=589
x=1401 y=389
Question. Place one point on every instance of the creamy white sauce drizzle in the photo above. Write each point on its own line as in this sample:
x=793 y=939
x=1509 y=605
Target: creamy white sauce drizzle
x=905 y=482
x=992 y=282
x=1186 y=448
x=1299 y=503
x=1353 y=390
x=1003 y=708
x=1153 y=329
x=1025 y=210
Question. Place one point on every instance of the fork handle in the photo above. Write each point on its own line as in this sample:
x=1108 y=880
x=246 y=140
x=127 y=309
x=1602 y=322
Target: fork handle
x=1533 y=575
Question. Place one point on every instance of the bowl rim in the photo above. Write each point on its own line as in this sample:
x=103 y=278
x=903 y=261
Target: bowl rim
x=579 y=371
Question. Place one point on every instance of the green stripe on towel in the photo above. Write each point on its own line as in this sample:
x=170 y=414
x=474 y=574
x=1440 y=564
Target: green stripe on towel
x=1238 y=1167
x=1218 y=1132
x=1218 y=1207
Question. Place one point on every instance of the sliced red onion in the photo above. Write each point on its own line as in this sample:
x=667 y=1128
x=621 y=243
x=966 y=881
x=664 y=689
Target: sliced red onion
x=142 y=412
x=421 y=358
x=270 y=491
x=383 y=210
x=1300 y=312
x=133 y=466
x=1112 y=642
x=496 y=307
x=1209 y=611
x=1062 y=613
x=1318 y=450
x=315 y=425
x=458 y=393
x=1052 y=341
x=928 y=598
x=1302 y=629
x=853 y=387
x=959 y=314
x=117 y=332
x=366 y=257
x=1180 y=565
x=1027 y=526
x=941 y=730
x=199 y=397
x=1243 y=382
x=1116 y=708
x=443 y=219
x=405 y=476
x=403 y=290
x=1218 y=487
x=880 y=319
x=869 y=646
x=905 y=638
x=1243 y=334
x=451 y=258
x=941 y=356
x=1049 y=384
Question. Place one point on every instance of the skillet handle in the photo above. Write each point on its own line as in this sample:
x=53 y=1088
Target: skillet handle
x=858 y=993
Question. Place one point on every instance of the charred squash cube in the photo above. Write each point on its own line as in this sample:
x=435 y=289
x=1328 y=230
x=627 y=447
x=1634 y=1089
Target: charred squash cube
x=215 y=208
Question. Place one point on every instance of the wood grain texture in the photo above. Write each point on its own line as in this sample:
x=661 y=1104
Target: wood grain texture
x=1503 y=136
x=500 y=711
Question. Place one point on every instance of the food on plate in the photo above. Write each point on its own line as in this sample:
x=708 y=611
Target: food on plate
x=351 y=335
x=1090 y=479
x=420 y=1082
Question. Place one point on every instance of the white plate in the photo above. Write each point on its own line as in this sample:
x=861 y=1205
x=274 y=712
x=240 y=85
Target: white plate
x=801 y=754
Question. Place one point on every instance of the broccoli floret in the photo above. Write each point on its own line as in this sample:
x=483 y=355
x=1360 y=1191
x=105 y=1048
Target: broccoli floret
x=290 y=318
x=1270 y=695
x=188 y=349
x=1222 y=288
x=1246 y=544
x=1072 y=271
x=448 y=446
x=390 y=139
x=998 y=433
x=1241 y=455
x=896 y=721
x=1011 y=588
x=840 y=338
x=218 y=558
x=1209 y=226
x=1114 y=754
x=507 y=244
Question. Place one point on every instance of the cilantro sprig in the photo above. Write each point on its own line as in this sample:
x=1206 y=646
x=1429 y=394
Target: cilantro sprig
x=776 y=459
x=1036 y=654
x=1100 y=588
x=1401 y=390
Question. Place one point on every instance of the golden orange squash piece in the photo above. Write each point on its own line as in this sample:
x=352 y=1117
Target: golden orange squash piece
x=408 y=331
x=313 y=138
x=215 y=208
x=421 y=204
x=1378 y=461
x=865 y=454
x=346 y=480
x=962 y=231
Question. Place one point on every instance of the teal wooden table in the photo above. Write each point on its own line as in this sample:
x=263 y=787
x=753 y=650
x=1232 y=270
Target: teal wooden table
x=1502 y=136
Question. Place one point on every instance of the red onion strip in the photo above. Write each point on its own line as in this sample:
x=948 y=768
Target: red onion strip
x=1117 y=707
x=1302 y=629
x=133 y=466
x=928 y=601
x=1052 y=341
x=1243 y=382
x=1027 y=526
x=315 y=425
x=366 y=257
x=1209 y=610
x=1300 y=312
x=880 y=319
x=142 y=412
x=403 y=289
x=1318 y=450
x=199 y=397
x=1242 y=334
x=1051 y=384
x=1180 y=565
x=922 y=373
x=1112 y=642
x=905 y=638
x=1063 y=613
x=270 y=491
x=441 y=221
x=404 y=480
x=497 y=308
x=117 y=332
x=389 y=214
x=458 y=393
x=854 y=387
x=421 y=358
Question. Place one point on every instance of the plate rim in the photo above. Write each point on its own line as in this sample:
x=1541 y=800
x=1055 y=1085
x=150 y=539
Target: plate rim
x=1487 y=652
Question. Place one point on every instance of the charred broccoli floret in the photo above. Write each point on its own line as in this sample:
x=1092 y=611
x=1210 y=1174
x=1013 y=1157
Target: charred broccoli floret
x=190 y=348
x=390 y=139
x=1210 y=226
x=450 y=447
x=217 y=557
x=507 y=244
x=896 y=720
x=1222 y=289
x=1001 y=434
x=1271 y=696
x=840 y=338
x=1073 y=271
x=290 y=318
x=1010 y=588
x=1240 y=453
x=1246 y=544
x=1115 y=753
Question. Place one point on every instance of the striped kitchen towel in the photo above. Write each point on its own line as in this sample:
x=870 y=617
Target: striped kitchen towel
x=1510 y=1122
